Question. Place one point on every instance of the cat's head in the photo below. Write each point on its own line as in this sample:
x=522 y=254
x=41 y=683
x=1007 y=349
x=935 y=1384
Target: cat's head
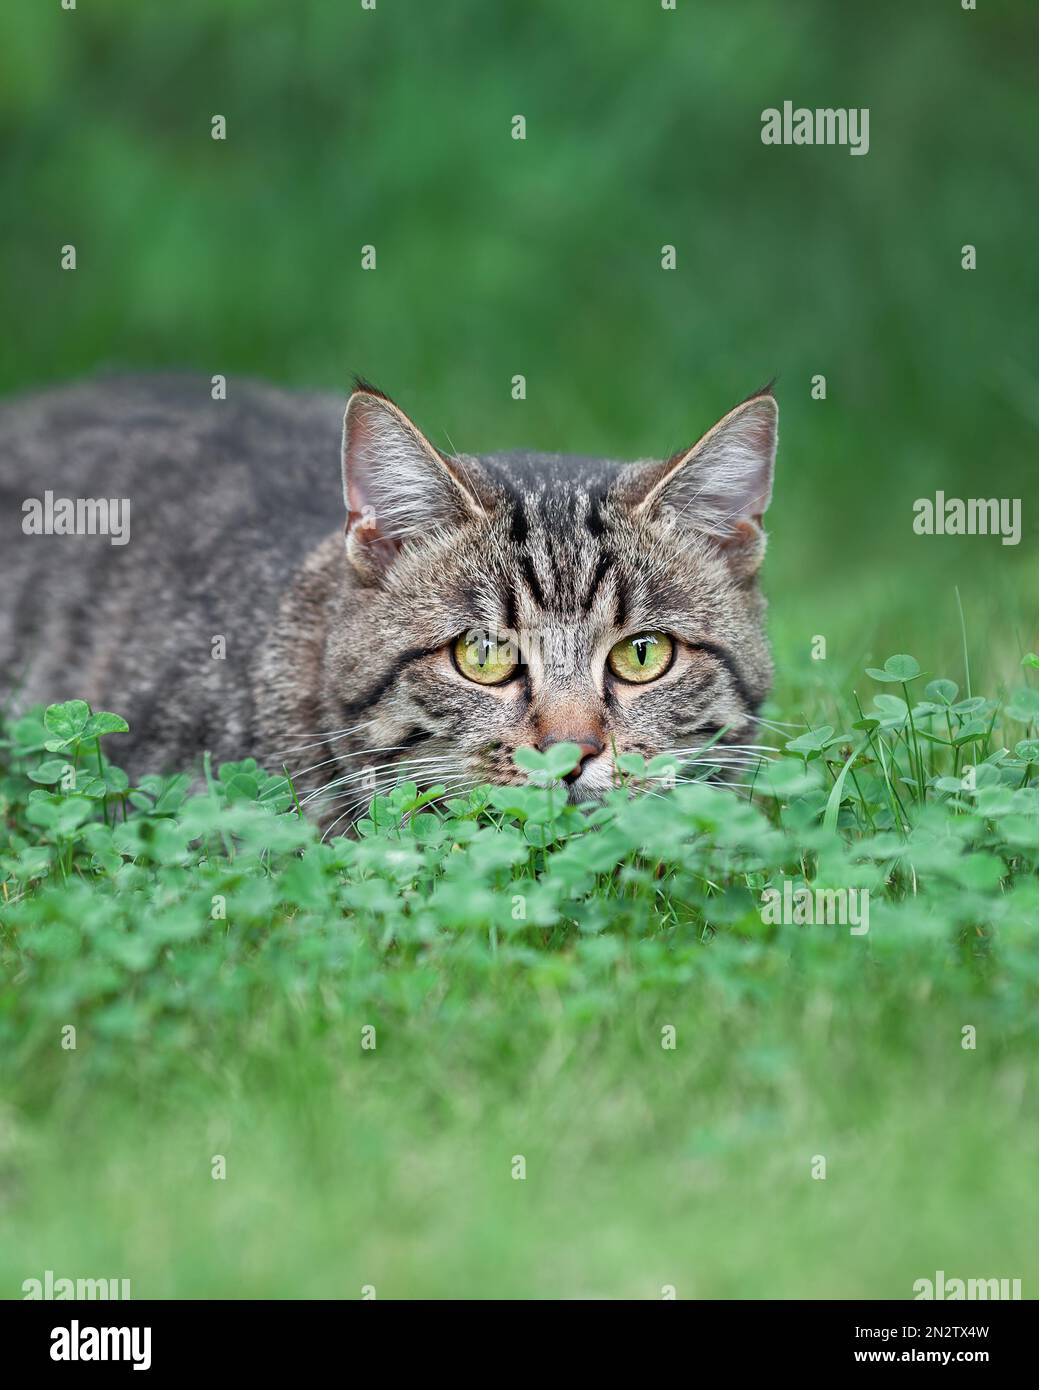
x=525 y=599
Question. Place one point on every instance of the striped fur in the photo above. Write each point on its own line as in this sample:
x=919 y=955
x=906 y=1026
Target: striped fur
x=339 y=655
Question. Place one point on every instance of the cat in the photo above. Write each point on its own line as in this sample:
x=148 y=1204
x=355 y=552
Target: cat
x=468 y=606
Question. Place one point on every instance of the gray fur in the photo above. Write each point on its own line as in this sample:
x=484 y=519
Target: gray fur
x=237 y=531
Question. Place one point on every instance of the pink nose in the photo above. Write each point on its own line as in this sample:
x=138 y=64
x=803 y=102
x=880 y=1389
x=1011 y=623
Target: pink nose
x=589 y=745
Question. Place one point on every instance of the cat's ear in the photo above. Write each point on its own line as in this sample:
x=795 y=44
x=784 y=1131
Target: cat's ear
x=721 y=487
x=395 y=483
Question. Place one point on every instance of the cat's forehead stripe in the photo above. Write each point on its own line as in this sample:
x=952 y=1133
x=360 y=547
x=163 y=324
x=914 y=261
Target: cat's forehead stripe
x=602 y=569
x=548 y=525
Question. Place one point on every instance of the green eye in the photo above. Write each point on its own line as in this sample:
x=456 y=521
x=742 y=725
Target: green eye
x=480 y=658
x=641 y=658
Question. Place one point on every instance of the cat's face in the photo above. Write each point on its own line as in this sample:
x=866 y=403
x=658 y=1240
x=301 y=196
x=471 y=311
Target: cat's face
x=529 y=599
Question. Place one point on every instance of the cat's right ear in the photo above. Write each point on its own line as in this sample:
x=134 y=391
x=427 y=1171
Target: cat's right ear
x=395 y=483
x=721 y=487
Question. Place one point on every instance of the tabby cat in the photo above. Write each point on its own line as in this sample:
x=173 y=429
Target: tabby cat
x=477 y=604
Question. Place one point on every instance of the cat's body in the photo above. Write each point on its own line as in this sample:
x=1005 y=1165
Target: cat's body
x=237 y=620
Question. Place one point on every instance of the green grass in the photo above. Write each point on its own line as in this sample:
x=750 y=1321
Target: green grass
x=220 y=965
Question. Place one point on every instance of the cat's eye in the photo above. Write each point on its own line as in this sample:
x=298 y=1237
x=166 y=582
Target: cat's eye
x=641 y=658
x=480 y=658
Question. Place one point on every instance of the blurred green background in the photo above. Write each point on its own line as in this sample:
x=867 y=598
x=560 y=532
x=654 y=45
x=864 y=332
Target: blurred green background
x=391 y=127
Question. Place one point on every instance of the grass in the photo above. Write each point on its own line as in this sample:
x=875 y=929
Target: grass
x=522 y=964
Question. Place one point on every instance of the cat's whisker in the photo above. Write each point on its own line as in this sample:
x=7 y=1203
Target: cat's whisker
x=753 y=747
x=319 y=734
x=357 y=805
x=727 y=747
x=351 y=812
x=710 y=766
x=648 y=791
x=719 y=762
x=733 y=755
x=455 y=789
x=404 y=766
x=722 y=755
x=341 y=757
x=669 y=784
x=276 y=788
x=332 y=737
x=405 y=770
x=715 y=767
x=722 y=786
x=328 y=832
x=328 y=796
x=315 y=737
x=750 y=760
x=693 y=762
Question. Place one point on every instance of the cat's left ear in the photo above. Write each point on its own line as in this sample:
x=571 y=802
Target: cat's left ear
x=720 y=487
x=395 y=483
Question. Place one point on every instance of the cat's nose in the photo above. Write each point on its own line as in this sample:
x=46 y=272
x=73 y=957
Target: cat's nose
x=589 y=744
